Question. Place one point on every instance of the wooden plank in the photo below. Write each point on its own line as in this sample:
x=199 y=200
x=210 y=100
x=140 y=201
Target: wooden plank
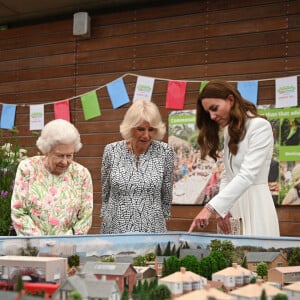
x=37 y=51
x=39 y=62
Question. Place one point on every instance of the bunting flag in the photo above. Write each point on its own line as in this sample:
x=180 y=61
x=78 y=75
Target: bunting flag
x=36 y=117
x=285 y=89
x=202 y=85
x=117 y=93
x=62 y=110
x=143 y=88
x=286 y=92
x=175 y=94
x=248 y=90
x=8 y=116
x=90 y=105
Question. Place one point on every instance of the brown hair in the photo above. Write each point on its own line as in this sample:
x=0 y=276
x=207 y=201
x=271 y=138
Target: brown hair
x=209 y=130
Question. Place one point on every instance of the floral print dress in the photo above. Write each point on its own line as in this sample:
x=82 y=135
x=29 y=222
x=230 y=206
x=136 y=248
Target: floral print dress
x=47 y=204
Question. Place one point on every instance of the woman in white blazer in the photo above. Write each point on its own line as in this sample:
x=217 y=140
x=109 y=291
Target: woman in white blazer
x=248 y=147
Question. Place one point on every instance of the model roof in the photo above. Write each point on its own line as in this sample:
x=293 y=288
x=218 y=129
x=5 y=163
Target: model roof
x=206 y=293
x=182 y=276
x=255 y=290
x=235 y=270
x=262 y=256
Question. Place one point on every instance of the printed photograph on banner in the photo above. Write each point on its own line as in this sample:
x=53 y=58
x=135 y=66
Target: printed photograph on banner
x=284 y=175
x=196 y=181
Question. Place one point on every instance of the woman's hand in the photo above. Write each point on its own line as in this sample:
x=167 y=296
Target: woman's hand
x=201 y=220
x=224 y=223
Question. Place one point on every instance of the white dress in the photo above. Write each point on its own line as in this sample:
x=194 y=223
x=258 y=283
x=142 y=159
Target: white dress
x=244 y=187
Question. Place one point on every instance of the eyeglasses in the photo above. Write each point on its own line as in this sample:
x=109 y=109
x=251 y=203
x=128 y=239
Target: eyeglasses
x=62 y=156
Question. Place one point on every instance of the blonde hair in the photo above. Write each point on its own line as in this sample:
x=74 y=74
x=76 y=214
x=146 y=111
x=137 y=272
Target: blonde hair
x=58 y=132
x=139 y=112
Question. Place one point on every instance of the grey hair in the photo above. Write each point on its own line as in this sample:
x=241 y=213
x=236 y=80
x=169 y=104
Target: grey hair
x=142 y=111
x=58 y=132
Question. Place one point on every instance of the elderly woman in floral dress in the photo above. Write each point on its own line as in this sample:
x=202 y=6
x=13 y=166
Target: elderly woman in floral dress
x=53 y=195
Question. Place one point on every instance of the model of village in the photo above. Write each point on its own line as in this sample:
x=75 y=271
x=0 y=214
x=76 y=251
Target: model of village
x=220 y=271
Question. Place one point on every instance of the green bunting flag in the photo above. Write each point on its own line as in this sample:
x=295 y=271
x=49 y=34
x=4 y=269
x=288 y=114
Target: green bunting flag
x=90 y=105
x=202 y=85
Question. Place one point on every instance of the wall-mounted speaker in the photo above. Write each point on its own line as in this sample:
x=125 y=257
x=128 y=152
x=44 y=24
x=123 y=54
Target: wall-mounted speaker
x=82 y=24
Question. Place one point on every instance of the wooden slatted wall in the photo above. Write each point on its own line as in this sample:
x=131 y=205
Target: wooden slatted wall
x=188 y=40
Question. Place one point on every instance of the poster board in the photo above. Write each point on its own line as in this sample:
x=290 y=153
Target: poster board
x=284 y=176
x=196 y=181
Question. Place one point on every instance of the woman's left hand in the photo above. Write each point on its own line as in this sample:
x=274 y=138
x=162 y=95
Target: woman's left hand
x=224 y=223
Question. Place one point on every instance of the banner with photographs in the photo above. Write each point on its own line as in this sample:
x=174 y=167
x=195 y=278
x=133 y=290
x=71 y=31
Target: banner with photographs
x=196 y=181
x=284 y=176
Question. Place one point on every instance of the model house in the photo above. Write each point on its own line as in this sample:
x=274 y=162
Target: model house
x=89 y=288
x=272 y=259
x=143 y=273
x=159 y=263
x=284 y=275
x=123 y=273
x=233 y=277
x=254 y=291
x=43 y=268
x=292 y=290
x=183 y=282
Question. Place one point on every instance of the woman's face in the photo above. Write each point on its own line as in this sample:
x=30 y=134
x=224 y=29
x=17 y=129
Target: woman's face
x=60 y=157
x=218 y=109
x=142 y=136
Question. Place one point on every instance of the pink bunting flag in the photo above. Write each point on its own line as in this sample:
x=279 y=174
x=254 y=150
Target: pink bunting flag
x=175 y=94
x=62 y=110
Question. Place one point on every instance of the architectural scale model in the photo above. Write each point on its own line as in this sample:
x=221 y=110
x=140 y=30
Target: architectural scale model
x=44 y=268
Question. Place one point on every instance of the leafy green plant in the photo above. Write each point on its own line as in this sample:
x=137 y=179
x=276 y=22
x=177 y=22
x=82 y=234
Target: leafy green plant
x=73 y=260
x=10 y=156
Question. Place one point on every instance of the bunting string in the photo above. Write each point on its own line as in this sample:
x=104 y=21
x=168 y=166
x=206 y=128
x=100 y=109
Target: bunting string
x=137 y=75
x=286 y=95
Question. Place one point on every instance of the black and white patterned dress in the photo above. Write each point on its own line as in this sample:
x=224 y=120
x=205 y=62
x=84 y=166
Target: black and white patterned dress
x=136 y=195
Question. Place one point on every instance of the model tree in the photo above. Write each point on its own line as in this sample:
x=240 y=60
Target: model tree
x=208 y=266
x=245 y=262
x=262 y=269
x=295 y=257
x=167 y=251
x=140 y=261
x=172 y=265
x=219 y=259
x=150 y=256
x=125 y=295
x=158 y=250
x=162 y=292
x=226 y=248
x=280 y=297
x=73 y=261
x=263 y=295
x=191 y=263
x=19 y=286
x=75 y=295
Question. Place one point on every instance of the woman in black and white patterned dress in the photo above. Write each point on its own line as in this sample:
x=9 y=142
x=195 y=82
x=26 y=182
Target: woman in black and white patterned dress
x=137 y=174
